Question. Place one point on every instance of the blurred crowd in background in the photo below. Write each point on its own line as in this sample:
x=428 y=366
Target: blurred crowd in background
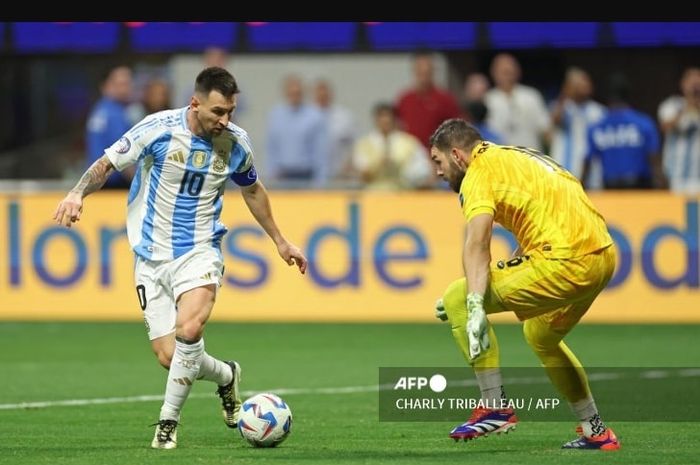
x=594 y=128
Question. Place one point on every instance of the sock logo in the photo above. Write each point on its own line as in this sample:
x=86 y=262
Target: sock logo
x=184 y=363
x=185 y=381
x=597 y=426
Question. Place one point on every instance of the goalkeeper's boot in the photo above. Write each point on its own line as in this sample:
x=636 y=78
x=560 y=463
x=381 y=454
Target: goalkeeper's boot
x=231 y=397
x=604 y=441
x=166 y=435
x=485 y=421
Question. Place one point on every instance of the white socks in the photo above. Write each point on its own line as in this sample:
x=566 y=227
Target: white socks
x=214 y=370
x=491 y=387
x=184 y=368
x=587 y=412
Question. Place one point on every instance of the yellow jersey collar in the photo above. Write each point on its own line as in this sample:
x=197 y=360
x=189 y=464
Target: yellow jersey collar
x=479 y=149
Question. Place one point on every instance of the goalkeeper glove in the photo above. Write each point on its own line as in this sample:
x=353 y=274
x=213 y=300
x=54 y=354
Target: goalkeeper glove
x=477 y=325
x=440 y=312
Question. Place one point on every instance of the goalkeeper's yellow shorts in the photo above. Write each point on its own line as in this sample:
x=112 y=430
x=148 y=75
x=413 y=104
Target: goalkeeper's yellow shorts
x=532 y=285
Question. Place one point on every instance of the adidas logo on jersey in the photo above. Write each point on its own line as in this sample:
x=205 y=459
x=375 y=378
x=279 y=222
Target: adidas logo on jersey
x=177 y=157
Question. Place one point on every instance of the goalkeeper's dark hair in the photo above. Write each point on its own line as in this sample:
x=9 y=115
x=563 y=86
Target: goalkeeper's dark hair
x=218 y=79
x=455 y=132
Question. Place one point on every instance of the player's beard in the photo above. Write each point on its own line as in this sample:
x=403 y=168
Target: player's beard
x=456 y=175
x=207 y=128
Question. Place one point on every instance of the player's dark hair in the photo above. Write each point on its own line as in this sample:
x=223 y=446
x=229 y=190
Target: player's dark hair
x=455 y=132
x=218 y=79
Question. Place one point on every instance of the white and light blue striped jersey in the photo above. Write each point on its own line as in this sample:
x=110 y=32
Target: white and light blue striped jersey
x=177 y=192
x=681 y=152
x=570 y=143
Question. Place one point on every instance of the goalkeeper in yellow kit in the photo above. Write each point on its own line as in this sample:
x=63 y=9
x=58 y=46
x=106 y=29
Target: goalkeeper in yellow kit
x=565 y=259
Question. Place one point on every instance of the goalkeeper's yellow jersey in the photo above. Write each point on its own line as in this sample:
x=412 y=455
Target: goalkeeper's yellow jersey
x=530 y=195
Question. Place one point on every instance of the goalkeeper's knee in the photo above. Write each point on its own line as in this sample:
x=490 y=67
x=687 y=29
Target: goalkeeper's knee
x=454 y=301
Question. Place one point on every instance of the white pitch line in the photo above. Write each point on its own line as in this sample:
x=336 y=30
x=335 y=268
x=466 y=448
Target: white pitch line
x=159 y=397
x=74 y=402
x=692 y=372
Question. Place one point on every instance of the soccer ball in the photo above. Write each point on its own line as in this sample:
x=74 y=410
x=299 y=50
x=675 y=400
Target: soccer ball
x=265 y=420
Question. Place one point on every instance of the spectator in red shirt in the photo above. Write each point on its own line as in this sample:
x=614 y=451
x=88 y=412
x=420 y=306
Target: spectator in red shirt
x=425 y=106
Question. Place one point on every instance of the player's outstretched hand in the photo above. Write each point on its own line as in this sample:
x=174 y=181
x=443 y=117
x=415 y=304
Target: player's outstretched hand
x=69 y=210
x=293 y=255
x=477 y=326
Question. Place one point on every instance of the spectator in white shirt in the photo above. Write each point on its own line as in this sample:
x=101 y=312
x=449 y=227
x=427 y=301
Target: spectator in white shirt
x=390 y=159
x=515 y=111
x=341 y=132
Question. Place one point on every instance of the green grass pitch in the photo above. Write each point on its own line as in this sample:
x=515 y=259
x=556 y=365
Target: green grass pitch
x=62 y=361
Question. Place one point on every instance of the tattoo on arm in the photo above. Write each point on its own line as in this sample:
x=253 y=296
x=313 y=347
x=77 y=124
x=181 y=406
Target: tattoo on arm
x=95 y=177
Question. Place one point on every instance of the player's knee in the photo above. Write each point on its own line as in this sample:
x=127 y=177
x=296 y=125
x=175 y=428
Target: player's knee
x=454 y=300
x=191 y=330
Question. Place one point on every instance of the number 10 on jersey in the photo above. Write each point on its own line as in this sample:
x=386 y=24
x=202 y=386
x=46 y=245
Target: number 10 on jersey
x=192 y=183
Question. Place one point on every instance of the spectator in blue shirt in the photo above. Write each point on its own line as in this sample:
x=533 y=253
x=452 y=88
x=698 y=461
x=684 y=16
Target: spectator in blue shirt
x=627 y=143
x=297 y=152
x=109 y=120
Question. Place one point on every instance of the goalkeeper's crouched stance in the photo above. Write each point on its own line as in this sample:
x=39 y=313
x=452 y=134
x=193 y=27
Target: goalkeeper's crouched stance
x=527 y=286
x=565 y=259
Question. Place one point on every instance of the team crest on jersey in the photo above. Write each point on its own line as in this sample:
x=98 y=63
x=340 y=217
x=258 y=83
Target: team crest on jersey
x=199 y=158
x=219 y=165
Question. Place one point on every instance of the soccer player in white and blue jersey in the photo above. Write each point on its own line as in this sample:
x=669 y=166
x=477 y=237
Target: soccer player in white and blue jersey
x=184 y=158
x=679 y=118
x=572 y=114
